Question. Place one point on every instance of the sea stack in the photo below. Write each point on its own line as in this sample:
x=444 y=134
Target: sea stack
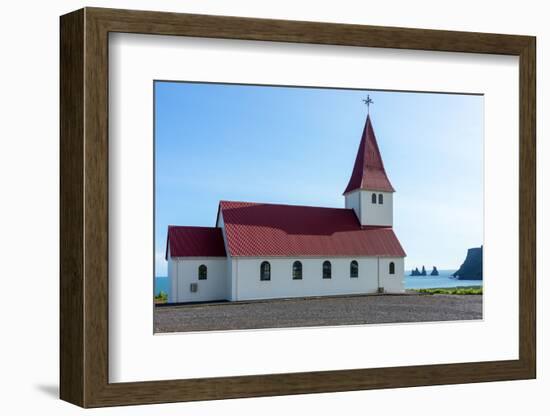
x=472 y=268
x=434 y=272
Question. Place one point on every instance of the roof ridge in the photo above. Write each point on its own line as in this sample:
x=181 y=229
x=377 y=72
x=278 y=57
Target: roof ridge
x=189 y=226
x=285 y=205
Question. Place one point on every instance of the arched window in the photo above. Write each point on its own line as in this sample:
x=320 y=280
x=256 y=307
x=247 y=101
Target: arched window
x=297 y=270
x=392 y=267
x=373 y=198
x=380 y=198
x=327 y=270
x=202 y=272
x=265 y=271
x=354 y=269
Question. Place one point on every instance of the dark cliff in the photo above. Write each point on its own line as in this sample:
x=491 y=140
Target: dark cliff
x=472 y=268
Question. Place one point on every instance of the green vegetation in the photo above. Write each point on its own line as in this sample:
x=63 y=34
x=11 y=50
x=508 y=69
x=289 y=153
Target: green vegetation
x=466 y=290
x=161 y=297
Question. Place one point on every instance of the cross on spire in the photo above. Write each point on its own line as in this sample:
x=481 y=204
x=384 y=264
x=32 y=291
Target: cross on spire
x=368 y=101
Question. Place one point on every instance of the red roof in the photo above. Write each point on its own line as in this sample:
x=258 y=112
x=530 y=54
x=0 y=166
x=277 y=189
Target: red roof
x=254 y=229
x=368 y=171
x=195 y=242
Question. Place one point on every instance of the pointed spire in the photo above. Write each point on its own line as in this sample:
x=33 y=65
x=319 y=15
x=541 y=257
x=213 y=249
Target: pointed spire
x=368 y=171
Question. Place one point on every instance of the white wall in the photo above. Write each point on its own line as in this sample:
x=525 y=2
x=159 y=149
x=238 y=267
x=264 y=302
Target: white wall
x=184 y=271
x=219 y=219
x=392 y=283
x=232 y=277
x=239 y=278
x=171 y=281
x=281 y=285
x=354 y=202
x=31 y=373
x=367 y=212
x=376 y=214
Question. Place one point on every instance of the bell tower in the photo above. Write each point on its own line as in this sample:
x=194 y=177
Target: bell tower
x=369 y=192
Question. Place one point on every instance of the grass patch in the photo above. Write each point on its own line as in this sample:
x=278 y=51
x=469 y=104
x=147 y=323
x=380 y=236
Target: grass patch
x=467 y=290
x=161 y=297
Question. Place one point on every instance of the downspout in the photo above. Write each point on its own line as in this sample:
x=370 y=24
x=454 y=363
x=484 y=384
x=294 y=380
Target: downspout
x=378 y=273
x=177 y=294
x=237 y=278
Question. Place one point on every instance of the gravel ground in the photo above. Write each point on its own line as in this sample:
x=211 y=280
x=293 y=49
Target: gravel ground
x=343 y=310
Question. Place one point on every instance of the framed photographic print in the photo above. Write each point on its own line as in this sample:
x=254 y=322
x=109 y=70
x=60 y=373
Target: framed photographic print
x=243 y=200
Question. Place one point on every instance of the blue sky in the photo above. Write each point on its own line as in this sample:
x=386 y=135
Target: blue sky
x=298 y=145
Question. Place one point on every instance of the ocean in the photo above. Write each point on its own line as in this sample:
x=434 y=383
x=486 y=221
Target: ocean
x=411 y=282
x=443 y=280
x=161 y=284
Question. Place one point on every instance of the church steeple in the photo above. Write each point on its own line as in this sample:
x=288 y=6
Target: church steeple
x=368 y=171
x=369 y=192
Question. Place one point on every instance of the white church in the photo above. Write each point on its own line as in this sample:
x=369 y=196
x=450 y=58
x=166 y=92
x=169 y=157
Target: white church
x=262 y=251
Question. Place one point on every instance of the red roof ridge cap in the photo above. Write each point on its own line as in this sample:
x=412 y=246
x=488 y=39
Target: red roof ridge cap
x=189 y=226
x=283 y=204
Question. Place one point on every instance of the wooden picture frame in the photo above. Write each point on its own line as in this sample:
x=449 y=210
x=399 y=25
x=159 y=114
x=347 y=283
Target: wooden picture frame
x=84 y=207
